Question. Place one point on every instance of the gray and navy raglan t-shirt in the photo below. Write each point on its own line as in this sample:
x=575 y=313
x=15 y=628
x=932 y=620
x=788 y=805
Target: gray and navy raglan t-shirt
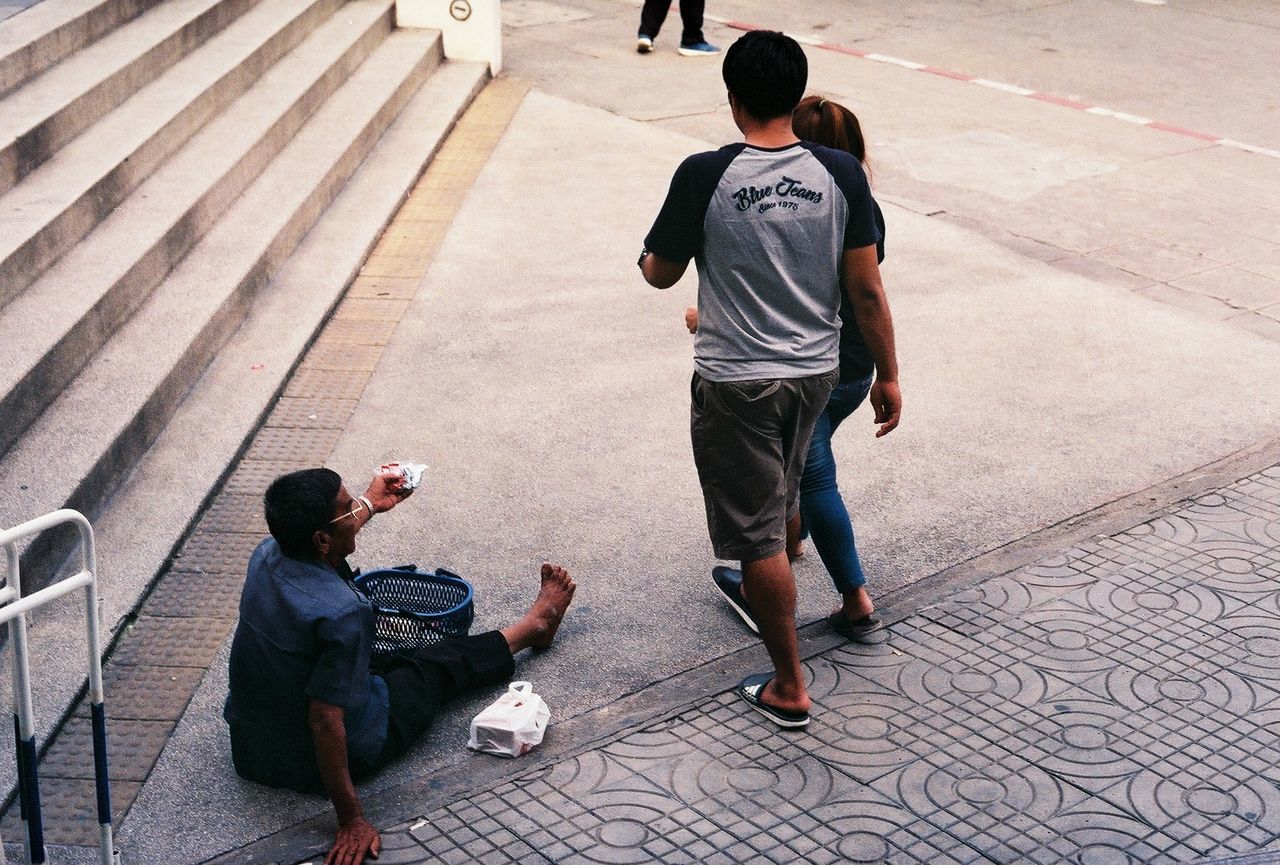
x=767 y=228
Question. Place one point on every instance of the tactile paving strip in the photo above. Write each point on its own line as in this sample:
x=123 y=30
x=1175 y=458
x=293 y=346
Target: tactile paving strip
x=70 y=807
x=252 y=477
x=360 y=332
x=338 y=384
x=239 y=514
x=192 y=594
x=146 y=693
x=371 y=309
x=396 y=287
x=273 y=444
x=132 y=749
x=161 y=642
x=310 y=413
x=223 y=552
x=343 y=355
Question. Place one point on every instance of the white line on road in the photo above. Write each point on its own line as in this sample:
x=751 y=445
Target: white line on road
x=1000 y=85
x=896 y=61
x=1119 y=115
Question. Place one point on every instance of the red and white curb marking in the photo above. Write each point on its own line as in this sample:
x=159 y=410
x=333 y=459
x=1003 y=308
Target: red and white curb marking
x=1010 y=88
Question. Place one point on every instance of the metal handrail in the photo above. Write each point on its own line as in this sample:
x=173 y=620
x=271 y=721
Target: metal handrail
x=13 y=609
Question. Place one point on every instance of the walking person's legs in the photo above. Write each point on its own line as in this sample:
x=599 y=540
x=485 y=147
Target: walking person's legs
x=691 y=12
x=770 y=590
x=826 y=518
x=750 y=439
x=651 y=18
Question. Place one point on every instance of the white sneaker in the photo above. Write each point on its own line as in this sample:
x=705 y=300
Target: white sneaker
x=644 y=44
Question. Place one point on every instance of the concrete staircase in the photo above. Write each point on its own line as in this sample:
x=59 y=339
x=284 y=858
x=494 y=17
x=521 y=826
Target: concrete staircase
x=186 y=189
x=182 y=183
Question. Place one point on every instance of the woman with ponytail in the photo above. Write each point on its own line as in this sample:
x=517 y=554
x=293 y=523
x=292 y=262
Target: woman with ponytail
x=823 y=514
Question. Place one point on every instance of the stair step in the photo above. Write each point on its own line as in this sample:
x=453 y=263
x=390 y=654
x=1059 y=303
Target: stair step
x=52 y=330
x=167 y=488
x=57 y=203
x=51 y=109
x=105 y=420
x=45 y=33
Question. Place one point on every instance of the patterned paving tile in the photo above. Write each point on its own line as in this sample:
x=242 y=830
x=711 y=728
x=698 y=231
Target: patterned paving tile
x=1212 y=811
x=974 y=611
x=1007 y=808
x=1086 y=742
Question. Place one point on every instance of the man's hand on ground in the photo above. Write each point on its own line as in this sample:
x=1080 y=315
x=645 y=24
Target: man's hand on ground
x=886 y=399
x=356 y=839
x=385 y=491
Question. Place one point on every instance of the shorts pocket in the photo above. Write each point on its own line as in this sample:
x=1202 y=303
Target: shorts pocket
x=751 y=391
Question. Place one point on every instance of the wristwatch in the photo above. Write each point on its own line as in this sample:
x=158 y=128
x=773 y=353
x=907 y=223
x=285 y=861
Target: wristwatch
x=640 y=260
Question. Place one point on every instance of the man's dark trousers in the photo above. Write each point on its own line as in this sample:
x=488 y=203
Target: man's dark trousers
x=655 y=12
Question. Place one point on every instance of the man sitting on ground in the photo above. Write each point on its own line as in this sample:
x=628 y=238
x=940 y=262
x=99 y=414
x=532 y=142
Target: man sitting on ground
x=305 y=709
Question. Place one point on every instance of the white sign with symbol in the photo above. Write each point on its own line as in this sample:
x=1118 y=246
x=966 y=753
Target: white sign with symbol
x=472 y=29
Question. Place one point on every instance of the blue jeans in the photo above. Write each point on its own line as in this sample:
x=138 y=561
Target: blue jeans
x=822 y=508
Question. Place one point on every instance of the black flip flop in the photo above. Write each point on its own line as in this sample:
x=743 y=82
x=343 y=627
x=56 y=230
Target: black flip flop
x=752 y=687
x=854 y=630
x=729 y=582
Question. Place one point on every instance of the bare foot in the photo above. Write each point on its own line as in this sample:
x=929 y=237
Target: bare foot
x=552 y=602
x=857 y=605
x=796 y=701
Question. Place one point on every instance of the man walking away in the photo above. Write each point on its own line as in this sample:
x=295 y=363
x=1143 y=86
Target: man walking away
x=777 y=227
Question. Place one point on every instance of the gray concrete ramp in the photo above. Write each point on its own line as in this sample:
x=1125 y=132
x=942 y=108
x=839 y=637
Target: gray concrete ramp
x=546 y=386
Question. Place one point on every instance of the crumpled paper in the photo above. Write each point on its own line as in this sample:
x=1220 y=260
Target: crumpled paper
x=411 y=473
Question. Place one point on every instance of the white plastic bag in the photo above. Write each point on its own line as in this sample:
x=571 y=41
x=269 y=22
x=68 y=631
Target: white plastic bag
x=512 y=724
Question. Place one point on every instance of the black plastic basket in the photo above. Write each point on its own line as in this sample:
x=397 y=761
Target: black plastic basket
x=414 y=608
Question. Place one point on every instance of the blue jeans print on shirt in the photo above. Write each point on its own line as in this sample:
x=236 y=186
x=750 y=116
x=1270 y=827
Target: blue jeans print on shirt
x=825 y=517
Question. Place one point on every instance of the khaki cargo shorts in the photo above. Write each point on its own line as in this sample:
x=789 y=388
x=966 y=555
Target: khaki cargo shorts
x=750 y=439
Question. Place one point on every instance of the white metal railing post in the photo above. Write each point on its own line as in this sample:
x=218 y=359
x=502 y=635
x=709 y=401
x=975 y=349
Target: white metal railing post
x=13 y=609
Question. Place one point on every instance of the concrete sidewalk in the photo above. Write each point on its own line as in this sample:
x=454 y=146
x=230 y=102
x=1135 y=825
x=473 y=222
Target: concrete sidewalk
x=1117 y=701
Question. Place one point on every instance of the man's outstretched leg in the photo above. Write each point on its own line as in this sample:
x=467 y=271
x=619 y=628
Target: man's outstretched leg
x=419 y=684
x=770 y=591
x=537 y=628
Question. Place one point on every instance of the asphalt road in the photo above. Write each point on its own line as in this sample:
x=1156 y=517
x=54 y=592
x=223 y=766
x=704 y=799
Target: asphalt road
x=1205 y=64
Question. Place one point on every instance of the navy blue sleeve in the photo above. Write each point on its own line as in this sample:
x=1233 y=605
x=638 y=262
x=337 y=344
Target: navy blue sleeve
x=861 y=229
x=340 y=676
x=677 y=232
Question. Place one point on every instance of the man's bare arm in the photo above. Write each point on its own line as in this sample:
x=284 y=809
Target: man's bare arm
x=861 y=277
x=356 y=837
x=661 y=273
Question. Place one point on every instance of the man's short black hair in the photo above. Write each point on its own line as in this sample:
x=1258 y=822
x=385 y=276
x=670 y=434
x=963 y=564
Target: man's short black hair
x=298 y=505
x=766 y=72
